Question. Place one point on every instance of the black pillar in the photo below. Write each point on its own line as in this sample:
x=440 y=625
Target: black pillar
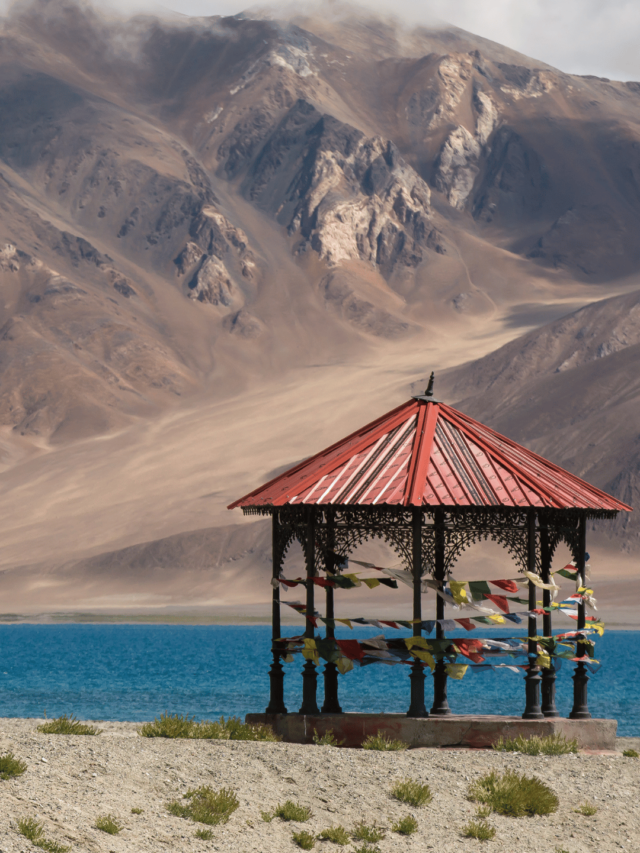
x=331 y=704
x=440 y=705
x=276 y=673
x=580 y=710
x=548 y=673
x=417 y=708
x=532 y=679
x=309 y=673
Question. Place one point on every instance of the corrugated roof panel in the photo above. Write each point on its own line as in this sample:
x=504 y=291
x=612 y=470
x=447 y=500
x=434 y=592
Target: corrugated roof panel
x=429 y=453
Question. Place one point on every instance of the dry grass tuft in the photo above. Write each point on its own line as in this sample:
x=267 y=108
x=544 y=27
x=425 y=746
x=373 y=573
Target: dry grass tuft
x=412 y=792
x=480 y=830
x=67 y=726
x=10 y=766
x=513 y=795
x=550 y=745
x=304 y=839
x=31 y=829
x=586 y=809
x=407 y=826
x=369 y=834
x=383 y=743
x=178 y=726
x=206 y=805
x=337 y=834
x=109 y=824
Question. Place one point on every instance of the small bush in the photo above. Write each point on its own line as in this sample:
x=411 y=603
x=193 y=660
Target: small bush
x=31 y=829
x=370 y=834
x=550 y=745
x=365 y=848
x=204 y=834
x=10 y=766
x=109 y=824
x=480 y=830
x=267 y=817
x=483 y=812
x=411 y=792
x=337 y=834
x=304 y=839
x=407 y=826
x=136 y=810
x=586 y=809
x=178 y=726
x=327 y=739
x=631 y=753
x=292 y=811
x=383 y=743
x=206 y=805
x=514 y=795
x=67 y=726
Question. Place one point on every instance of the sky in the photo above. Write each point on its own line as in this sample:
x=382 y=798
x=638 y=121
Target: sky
x=578 y=36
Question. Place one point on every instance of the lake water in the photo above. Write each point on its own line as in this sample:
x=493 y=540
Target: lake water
x=135 y=672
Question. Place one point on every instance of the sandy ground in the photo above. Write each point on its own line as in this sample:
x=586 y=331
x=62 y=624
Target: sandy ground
x=70 y=781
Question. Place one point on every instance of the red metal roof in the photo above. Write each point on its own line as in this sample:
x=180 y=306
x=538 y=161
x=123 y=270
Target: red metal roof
x=427 y=453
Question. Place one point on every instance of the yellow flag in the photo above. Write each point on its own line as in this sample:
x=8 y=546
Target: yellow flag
x=496 y=617
x=344 y=665
x=346 y=622
x=416 y=641
x=458 y=591
x=597 y=626
x=544 y=661
x=353 y=578
x=427 y=657
x=456 y=670
x=372 y=583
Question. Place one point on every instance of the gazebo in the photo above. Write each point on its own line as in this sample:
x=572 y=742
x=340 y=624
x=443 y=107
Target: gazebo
x=430 y=481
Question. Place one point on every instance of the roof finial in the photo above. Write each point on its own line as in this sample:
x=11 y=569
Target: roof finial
x=429 y=391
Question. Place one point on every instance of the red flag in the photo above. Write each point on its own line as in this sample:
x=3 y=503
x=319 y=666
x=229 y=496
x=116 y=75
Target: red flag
x=507 y=585
x=350 y=649
x=467 y=624
x=500 y=601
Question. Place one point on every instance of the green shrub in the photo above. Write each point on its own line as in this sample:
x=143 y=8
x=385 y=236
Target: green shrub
x=370 y=834
x=204 y=805
x=34 y=832
x=292 y=811
x=556 y=744
x=365 y=848
x=483 y=812
x=10 y=766
x=383 y=743
x=109 y=824
x=327 y=739
x=411 y=792
x=304 y=839
x=337 y=834
x=178 y=726
x=480 y=830
x=631 y=753
x=67 y=726
x=514 y=795
x=407 y=826
x=267 y=817
x=204 y=834
x=136 y=810
x=586 y=809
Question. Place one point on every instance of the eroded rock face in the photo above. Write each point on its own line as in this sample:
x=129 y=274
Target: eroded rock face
x=217 y=254
x=458 y=162
x=349 y=197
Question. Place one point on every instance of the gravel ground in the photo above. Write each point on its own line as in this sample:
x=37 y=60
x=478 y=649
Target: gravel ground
x=72 y=780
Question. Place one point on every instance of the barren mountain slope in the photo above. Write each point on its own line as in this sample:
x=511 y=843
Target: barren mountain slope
x=225 y=242
x=570 y=391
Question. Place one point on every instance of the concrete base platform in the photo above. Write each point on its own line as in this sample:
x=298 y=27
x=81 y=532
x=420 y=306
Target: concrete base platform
x=457 y=730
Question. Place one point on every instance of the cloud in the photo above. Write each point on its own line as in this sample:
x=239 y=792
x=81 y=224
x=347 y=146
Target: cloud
x=578 y=36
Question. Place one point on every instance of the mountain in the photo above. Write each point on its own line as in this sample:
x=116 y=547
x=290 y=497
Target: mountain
x=570 y=391
x=227 y=241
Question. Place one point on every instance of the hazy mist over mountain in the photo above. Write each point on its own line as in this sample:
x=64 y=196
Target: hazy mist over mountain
x=227 y=241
